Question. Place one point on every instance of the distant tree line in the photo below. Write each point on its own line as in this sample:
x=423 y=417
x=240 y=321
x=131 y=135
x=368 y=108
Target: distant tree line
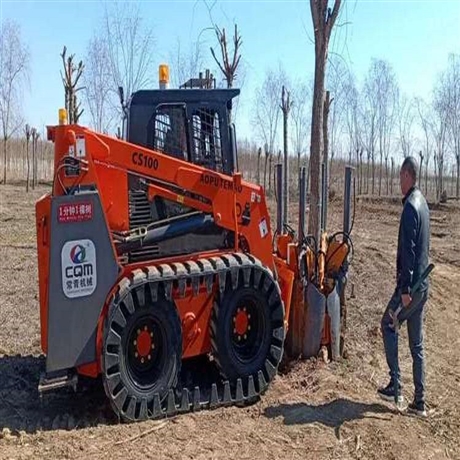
x=370 y=122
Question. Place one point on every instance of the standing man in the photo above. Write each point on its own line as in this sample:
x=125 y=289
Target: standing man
x=411 y=262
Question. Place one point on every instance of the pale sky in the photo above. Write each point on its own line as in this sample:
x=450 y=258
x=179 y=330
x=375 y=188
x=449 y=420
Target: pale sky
x=414 y=36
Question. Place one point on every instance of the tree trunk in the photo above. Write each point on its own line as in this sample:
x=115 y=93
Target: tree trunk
x=270 y=168
x=380 y=173
x=298 y=165
x=420 y=169
x=357 y=166
x=441 y=175
x=457 y=194
x=33 y=163
x=326 y=153
x=426 y=175
x=323 y=19
x=4 y=159
x=386 y=174
x=259 y=153
x=316 y=147
x=265 y=172
x=331 y=161
x=24 y=163
x=436 y=172
x=28 y=166
x=373 y=173
x=36 y=162
x=368 y=174
x=392 y=175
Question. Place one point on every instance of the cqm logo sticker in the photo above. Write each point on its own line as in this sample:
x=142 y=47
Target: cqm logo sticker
x=78 y=268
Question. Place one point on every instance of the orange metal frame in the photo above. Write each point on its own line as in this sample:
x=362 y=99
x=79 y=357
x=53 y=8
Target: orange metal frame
x=106 y=164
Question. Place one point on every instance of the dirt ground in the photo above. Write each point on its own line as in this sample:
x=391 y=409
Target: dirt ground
x=315 y=410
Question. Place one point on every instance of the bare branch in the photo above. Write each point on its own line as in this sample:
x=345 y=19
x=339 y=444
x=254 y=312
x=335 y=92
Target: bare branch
x=129 y=47
x=14 y=73
x=228 y=68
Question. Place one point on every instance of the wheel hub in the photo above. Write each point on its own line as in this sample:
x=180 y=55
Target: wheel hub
x=143 y=342
x=241 y=322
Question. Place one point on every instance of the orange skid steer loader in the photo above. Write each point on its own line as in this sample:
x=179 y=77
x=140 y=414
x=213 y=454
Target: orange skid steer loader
x=158 y=268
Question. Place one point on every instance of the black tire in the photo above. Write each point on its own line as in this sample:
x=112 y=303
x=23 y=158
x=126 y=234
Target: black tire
x=242 y=353
x=142 y=351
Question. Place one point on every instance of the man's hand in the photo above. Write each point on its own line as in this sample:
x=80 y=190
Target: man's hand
x=406 y=299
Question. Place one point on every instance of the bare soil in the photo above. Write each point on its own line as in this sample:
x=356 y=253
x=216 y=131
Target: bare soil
x=312 y=410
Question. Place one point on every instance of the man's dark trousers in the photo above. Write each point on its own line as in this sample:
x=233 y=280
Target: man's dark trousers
x=415 y=332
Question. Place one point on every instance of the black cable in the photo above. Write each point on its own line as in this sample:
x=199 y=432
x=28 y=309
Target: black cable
x=61 y=164
x=289 y=229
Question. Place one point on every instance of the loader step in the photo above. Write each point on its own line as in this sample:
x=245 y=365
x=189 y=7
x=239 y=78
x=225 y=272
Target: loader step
x=50 y=383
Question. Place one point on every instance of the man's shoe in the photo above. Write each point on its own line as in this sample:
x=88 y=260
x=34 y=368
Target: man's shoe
x=388 y=393
x=417 y=408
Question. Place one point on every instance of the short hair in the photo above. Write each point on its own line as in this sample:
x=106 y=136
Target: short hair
x=410 y=165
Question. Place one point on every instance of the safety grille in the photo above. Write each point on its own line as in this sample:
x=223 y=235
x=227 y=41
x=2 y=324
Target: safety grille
x=170 y=135
x=206 y=139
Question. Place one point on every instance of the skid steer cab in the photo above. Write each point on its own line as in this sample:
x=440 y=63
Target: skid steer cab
x=158 y=267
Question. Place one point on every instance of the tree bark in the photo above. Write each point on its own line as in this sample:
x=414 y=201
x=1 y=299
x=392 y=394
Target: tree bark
x=457 y=194
x=4 y=159
x=368 y=174
x=33 y=162
x=265 y=171
x=28 y=165
x=441 y=175
x=298 y=170
x=420 y=168
x=259 y=153
x=387 y=174
x=323 y=20
x=327 y=103
x=373 y=173
x=426 y=176
x=392 y=175
x=317 y=147
x=270 y=168
x=357 y=166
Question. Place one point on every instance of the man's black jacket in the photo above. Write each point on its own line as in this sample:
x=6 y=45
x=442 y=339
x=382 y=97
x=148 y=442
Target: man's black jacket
x=413 y=241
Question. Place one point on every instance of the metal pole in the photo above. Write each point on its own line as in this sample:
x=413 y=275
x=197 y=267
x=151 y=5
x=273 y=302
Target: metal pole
x=279 y=198
x=347 y=200
x=302 y=202
x=285 y=187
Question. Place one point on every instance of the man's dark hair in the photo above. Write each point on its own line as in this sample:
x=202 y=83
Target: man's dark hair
x=410 y=165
